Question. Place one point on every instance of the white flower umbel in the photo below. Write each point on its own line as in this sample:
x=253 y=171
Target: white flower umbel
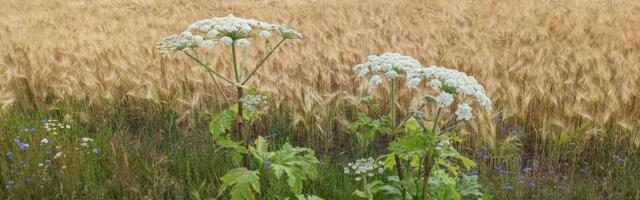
x=389 y=65
x=464 y=112
x=225 y=30
x=253 y=102
x=364 y=167
x=444 y=99
x=460 y=83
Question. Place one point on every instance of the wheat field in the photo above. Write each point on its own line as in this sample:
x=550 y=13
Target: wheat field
x=563 y=66
x=563 y=74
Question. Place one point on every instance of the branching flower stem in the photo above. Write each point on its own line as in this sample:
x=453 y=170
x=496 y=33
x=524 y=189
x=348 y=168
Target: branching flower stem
x=393 y=132
x=253 y=72
x=428 y=159
x=215 y=81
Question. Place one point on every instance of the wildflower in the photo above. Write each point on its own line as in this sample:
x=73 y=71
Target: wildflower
x=391 y=74
x=375 y=81
x=9 y=185
x=96 y=150
x=358 y=178
x=508 y=186
x=619 y=159
x=413 y=83
x=208 y=44
x=364 y=167
x=454 y=80
x=464 y=112
x=33 y=130
x=25 y=130
x=243 y=43
x=226 y=40
x=9 y=156
x=44 y=141
x=44 y=121
x=485 y=156
x=434 y=83
x=253 y=102
x=58 y=155
x=484 y=148
x=23 y=146
x=444 y=99
x=29 y=180
x=391 y=65
x=526 y=170
x=265 y=34
x=266 y=163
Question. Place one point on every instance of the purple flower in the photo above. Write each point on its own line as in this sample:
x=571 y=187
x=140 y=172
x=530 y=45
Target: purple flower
x=526 y=170
x=267 y=163
x=33 y=130
x=484 y=148
x=23 y=146
x=508 y=186
x=29 y=180
x=17 y=140
x=10 y=156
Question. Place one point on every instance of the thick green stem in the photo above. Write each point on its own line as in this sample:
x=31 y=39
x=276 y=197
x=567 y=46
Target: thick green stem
x=240 y=93
x=428 y=159
x=393 y=132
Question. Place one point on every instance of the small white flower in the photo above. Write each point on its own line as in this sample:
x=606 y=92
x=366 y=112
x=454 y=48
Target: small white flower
x=186 y=34
x=413 y=83
x=86 y=139
x=265 y=34
x=444 y=99
x=358 y=178
x=208 y=43
x=44 y=141
x=243 y=43
x=391 y=74
x=212 y=33
x=381 y=170
x=68 y=127
x=435 y=83
x=197 y=38
x=370 y=174
x=226 y=40
x=58 y=155
x=375 y=81
x=464 y=112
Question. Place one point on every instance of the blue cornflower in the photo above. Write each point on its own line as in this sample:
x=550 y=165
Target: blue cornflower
x=10 y=156
x=508 y=186
x=17 y=140
x=485 y=156
x=33 y=130
x=267 y=163
x=526 y=170
x=23 y=146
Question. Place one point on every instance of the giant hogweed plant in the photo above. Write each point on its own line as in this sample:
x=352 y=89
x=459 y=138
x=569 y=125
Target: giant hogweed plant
x=426 y=164
x=296 y=164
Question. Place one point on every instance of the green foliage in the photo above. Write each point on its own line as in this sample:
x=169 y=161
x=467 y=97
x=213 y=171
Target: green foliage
x=306 y=197
x=298 y=164
x=244 y=183
x=221 y=122
x=366 y=128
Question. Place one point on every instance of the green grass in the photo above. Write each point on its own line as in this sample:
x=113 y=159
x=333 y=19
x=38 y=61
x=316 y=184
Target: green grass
x=144 y=153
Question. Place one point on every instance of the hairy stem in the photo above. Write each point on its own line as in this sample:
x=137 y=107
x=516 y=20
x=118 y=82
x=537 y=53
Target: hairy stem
x=393 y=132
x=240 y=93
x=428 y=159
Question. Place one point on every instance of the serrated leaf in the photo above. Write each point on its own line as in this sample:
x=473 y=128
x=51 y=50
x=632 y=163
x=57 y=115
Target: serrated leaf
x=468 y=186
x=243 y=183
x=221 y=122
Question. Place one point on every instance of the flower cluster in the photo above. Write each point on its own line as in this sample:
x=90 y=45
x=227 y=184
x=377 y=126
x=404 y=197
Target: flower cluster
x=389 y=65
x=457 y=82
x=53 y=125
x=224 y=30
x=364 y=167
x=448 y=81
x=253 y=103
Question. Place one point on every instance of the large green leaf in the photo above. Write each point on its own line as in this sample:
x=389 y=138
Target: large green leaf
x=468 y=186
x=297 y=168
x=244 y=183
x=221 y=123
x=417 y=144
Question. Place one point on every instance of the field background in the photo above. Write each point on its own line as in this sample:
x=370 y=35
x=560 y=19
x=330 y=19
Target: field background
x=567 y=73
